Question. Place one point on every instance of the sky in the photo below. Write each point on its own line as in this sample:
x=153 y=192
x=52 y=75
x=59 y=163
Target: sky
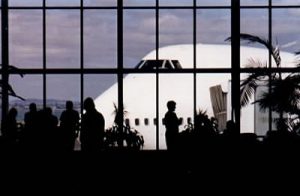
x=100 y=37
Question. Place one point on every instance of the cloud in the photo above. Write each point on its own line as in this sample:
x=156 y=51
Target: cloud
x=285 y=2
x=100 y=35
x=290 y=44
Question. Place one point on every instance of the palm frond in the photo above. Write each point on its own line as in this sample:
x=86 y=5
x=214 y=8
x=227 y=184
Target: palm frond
x=255 y=63
x=249 y=86
x=118 y=114
x=10 y=91
x=17 y=70
x=275 y=52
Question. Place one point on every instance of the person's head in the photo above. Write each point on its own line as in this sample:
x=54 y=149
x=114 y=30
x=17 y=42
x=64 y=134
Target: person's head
x=230 y=125
x=48 y=111
x=13 y=112
x=171 y=105
x=32 y=107
x=88 y=104
x=69 y=105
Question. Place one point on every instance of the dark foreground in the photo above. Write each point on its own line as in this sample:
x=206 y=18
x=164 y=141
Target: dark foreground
x=149 y=170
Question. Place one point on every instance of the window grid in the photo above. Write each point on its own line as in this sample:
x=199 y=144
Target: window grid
x=120 y=70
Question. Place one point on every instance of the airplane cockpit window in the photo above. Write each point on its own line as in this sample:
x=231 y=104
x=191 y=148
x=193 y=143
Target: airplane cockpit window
x=176 y=64
x=161 y=64
x=168 y=65
x=150 y=64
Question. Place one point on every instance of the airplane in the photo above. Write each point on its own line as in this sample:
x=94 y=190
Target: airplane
x=140 y=89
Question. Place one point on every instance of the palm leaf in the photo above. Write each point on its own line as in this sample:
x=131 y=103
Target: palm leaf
x=15 y=69
x=249 y=86
x=12 y=68
x=118 y=114
x=275 y=52
x=255 y=63
x=10 y=90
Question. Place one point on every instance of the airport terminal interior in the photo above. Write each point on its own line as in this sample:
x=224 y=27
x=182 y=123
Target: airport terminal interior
x=224 y=63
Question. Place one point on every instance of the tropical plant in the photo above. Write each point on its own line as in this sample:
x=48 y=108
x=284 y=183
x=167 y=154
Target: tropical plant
x=115 y=136
x=283 y=96
x=201 y=133
x=203 y=123
x=10 y=90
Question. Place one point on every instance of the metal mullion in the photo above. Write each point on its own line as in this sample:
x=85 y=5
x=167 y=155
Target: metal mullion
x=5 y=58
x=235 y=61
x=81 y=57
x=120 y=61
x=195 y=56
x=270 y=58
x=157 y=71
x=44 y=55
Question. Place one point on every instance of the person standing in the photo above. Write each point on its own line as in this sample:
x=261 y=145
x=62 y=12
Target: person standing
x=69 y=124
x=92 y=127
x=171 y=123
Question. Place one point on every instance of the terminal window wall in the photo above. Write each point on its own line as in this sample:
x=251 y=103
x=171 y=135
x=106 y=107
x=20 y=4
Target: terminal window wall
x=73 y=49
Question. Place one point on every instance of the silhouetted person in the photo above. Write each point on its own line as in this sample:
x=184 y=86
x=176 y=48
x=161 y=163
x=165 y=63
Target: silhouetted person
x=69 y=124
x=46 y=137
x=231 y=129
x=30 y=128
x=10 y=128
x=171 y=122
x=92 y=127
x=231 y=134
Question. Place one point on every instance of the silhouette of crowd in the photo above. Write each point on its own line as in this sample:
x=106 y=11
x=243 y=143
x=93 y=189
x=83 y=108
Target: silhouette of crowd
x=204 y=135
x=43 y=131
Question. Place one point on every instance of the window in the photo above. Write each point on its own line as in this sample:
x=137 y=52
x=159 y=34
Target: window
x=137 y=121
x=74 y=51
x=146 y=121
x=127 y=122
x=189 y=120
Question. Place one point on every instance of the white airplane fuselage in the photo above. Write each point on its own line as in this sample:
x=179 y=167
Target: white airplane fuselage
x=140 y=89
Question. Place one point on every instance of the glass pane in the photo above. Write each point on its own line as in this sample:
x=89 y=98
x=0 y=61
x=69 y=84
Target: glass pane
x=139 y=35
x=103 y=89
x=25 y=49
x=63 y=39
x=1 y=36
x=140 y=104
x=285 y=2
x=253 y=118
x=61 y=88
x=100 y=39
x=254 y=2
x=30 y=87
x=176 y=28
x=139 y=3
x=100 y=2
x=25 y=3
x=175 y=3
x=179 y=88
x=254 y=22
x=63 y=3
x=213 y=3
x=213 y=27
x=213 y=97
x=285 y=31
